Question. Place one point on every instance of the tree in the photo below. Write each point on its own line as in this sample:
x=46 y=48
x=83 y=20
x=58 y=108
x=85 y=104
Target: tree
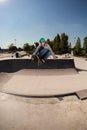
x=56 y=44
x=19 y=49
x=49 y=42
x=83 y=52
x=85 y=44
x=12 y=48
x=64 y=43
x=0 y=49
x=69 y=47
x=32 y=47
x=26 y=47
x=78 y=46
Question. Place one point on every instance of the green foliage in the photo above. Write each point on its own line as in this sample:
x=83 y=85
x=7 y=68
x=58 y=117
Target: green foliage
x=19 y=49
x=32 y=47
x=0 y=49
x=77 y=49
x=64 y=43
x=85 y=44
x=12 y=48
x=50 y=43
x=59 y=45
x=56 y=43
x=28 y=48
x=83 y=52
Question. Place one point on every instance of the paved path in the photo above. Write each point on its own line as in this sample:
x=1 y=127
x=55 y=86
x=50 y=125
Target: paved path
x=18 y=113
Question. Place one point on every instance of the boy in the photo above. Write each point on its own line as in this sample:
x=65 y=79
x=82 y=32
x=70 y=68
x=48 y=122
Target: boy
x=43 y=51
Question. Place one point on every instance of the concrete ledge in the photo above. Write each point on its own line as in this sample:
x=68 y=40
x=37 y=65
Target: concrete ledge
x=14 y=65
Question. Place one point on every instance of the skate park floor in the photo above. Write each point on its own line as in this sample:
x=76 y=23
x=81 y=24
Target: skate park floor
x=56 y=113
x=46 y=83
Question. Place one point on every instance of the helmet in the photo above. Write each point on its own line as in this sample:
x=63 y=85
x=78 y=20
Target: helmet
x=42 y=40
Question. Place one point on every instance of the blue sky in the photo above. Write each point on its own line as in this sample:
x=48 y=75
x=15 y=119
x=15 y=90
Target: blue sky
x=29 y=20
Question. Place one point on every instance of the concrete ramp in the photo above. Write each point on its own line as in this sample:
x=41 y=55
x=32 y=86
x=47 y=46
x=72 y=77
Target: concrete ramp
x=46 y=72
x=14 y=65
x=49 y=79
x=54 y=78
x=82 y=94
x=44 y=86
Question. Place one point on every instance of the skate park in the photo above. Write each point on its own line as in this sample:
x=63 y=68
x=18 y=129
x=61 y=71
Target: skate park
x=46 y=98
x=59 y=77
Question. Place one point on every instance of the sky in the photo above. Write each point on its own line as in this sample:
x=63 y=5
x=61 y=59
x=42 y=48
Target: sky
x=26 y=21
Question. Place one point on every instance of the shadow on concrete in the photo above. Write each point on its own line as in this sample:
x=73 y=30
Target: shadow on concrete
x=79 y=70
x=14 y=65
x=42 y=96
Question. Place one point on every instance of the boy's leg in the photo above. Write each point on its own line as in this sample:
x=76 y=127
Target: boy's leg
x=37 y=59
x=48 y=53
x=44 y=53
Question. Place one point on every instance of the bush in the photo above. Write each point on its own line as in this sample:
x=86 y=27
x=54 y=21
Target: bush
x=12 y=48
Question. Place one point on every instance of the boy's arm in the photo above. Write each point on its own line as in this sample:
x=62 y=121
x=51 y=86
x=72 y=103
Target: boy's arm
x=35 y=52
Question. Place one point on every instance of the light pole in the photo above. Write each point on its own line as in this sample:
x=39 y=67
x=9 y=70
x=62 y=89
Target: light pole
x=72 y=50
x=74 y=40
x=15 y=41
